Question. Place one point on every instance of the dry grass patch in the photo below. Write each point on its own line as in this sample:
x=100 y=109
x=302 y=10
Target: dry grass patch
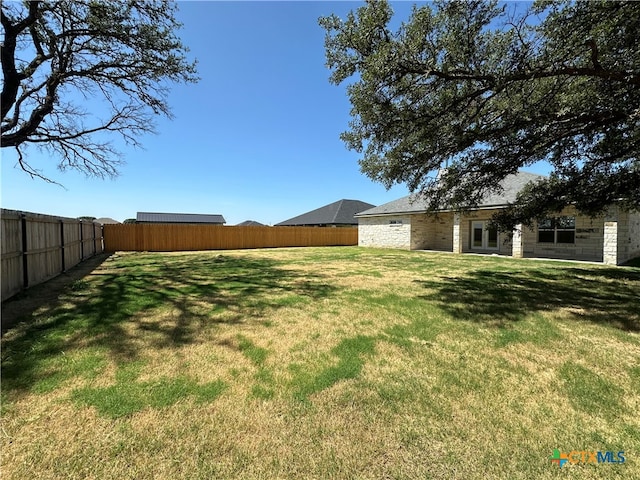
x=325 y=363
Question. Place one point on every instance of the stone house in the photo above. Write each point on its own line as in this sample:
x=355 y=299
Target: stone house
x=404 y=223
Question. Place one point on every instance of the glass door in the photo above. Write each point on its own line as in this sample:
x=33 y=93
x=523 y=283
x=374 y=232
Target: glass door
x=477 y=234
x=492 y=238
x=482 y=237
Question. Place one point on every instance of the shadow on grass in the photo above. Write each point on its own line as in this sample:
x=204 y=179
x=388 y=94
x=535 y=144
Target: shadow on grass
x=150 y=301
x=43 y=296
x=603 y=296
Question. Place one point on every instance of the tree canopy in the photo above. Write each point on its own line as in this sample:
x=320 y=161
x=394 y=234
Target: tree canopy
x=59 y=56
x=464 y=93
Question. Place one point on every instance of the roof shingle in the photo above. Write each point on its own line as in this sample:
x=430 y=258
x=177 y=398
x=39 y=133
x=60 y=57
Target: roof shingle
x=250 y=223
x=341 y=212
x=416 y=203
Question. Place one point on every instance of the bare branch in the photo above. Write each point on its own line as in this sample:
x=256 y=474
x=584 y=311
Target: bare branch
x=118 y=53
x=32 y=172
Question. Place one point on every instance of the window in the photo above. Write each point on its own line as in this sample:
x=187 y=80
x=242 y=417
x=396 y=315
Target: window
x=395 y=222
x=557 y=230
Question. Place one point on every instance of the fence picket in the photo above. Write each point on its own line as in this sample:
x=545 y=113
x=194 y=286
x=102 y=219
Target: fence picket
x=182 y=237
x=38 y=247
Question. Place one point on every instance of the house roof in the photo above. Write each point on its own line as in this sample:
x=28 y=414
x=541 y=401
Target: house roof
x=250 y=223
x=341 y=212
x=416 y=203
x=151 y=217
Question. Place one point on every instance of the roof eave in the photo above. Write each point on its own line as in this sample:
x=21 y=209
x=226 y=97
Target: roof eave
x=415 y=212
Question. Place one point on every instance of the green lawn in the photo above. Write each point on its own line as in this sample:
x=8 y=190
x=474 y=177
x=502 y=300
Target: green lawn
x=326 y=363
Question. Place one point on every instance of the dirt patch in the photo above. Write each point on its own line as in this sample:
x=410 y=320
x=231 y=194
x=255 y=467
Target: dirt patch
x=22 y=306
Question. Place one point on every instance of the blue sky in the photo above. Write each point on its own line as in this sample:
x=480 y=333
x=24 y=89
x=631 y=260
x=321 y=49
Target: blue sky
x=257 y=138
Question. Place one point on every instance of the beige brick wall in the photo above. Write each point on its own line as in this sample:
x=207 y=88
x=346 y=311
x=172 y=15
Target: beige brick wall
x=444 y=233
x=588 y=245
x=634 y=235
x=628 y=236
x=432 y=232
x=429 y=232
x=423 y=230
x=417 y=232
x=380 y=232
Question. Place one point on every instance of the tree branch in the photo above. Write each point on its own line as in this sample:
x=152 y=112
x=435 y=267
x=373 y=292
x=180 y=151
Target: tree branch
x=118 y=53
x=11 y=77
x=591 y=43
x=462 y=75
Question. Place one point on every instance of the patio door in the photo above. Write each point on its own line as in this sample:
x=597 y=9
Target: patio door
x=482 y=237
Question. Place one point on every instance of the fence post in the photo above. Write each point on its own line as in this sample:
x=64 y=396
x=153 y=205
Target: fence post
x=62 y=245
x=81 y=243
x=25 y=262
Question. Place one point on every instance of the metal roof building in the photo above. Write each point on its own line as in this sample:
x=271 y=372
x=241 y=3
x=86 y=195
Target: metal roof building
x=188 y=218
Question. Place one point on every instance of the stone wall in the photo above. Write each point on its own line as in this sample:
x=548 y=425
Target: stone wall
x=612 y=239
x=634 y=235
x=432 y=232
x=443 y=240
x=610 y=249
x=628 y=236
x=388 y=231
x=588 y=244
x=423 y=232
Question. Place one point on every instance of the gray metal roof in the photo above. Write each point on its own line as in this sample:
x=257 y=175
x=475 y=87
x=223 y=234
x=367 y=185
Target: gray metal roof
x=416 y=203
x=341 y=212
x=150 y=217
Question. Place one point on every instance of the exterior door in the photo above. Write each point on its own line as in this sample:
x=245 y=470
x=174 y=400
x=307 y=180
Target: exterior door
x=483 y=238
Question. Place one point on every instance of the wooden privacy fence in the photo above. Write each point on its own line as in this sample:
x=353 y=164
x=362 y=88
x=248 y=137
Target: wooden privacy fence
x=38 y=247
x=168 y=238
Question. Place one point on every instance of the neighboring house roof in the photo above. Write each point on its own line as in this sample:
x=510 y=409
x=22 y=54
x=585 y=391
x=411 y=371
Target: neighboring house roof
x=149 y=217
x=416 y=203
x=341 y=212
x=106 y=220
x=250 y=223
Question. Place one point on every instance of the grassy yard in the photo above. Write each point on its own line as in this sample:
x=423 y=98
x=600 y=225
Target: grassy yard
x=326 y=363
